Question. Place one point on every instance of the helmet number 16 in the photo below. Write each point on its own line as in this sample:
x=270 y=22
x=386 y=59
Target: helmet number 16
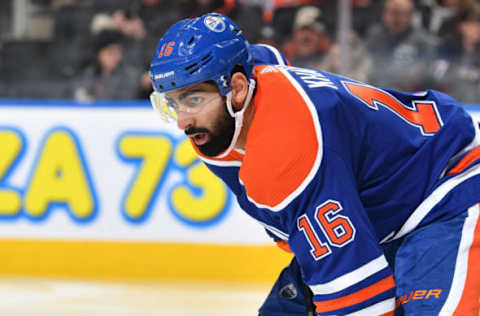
x=166 y=49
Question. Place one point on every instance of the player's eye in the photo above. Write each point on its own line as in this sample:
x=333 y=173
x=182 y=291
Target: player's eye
x=171 y=104
x=194 y=101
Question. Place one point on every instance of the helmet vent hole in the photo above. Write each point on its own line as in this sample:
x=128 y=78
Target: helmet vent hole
x=206 y=59
x=173 y=84
x=190 y=66
x=206 y=56
x=190 y=41
x=161 y=87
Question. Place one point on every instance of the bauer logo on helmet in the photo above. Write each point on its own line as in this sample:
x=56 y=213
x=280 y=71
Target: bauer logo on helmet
x=164 y=75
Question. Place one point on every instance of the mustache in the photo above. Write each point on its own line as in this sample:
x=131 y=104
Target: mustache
x=194 y=130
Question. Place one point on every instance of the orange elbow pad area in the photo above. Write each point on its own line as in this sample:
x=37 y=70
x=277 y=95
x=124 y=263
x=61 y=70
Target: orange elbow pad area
x=284 y=246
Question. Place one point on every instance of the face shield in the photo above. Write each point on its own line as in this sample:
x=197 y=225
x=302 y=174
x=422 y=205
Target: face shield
x=187 y=104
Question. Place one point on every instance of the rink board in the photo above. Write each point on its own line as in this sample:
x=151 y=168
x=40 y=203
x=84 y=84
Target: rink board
x=107 y=190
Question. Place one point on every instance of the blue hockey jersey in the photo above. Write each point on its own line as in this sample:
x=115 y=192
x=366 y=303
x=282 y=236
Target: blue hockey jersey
x=336 y=167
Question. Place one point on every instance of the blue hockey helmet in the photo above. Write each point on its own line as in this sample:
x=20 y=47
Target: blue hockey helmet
x=197 y=50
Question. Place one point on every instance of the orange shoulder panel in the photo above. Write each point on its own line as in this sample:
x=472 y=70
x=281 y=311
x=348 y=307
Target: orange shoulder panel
x=282 y=144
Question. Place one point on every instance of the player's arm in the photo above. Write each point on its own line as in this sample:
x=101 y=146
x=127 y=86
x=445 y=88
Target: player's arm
x=310 y=195
x=341 y=261
x=332 y=237
x=337 y=248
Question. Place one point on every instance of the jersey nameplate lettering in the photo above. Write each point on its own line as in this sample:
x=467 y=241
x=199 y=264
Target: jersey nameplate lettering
x=312 y=78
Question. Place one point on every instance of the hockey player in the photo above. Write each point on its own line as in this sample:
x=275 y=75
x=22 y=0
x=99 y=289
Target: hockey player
x=375 y=191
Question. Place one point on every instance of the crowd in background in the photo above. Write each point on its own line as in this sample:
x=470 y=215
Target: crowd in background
x=101 y=49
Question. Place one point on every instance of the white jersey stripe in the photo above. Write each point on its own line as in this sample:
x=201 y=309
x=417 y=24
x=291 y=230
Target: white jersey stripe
x=461 y=265
x=233 y=163
x=436 y=196
x=224 y=163
x=387 y=238
x=277 y=232
x=351 y=278
x=376 y=309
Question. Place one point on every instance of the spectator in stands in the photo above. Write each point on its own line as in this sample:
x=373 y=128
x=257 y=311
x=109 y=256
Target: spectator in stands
x=268 y=36
x=134 y=34
x=70 y=37
x=194 y=8
x=360 y=62
x=458 y=66
x=128 y=22
x=136 y=45
x=107 y=78
x=157 y=16
x=283 y=11
x=364 y=14
x=401 y=53
x=439 y=16
x=310 y=41
x=131 y=28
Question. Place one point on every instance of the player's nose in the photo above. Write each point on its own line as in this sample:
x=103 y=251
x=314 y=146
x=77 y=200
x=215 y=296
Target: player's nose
x=184 y=121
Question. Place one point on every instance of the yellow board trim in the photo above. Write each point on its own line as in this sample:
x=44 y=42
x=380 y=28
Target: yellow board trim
x=111 y=259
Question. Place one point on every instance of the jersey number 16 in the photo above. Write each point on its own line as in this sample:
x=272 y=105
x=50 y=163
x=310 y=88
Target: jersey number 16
x=337 y=229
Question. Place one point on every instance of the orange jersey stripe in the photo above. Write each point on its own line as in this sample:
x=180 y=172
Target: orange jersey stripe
x=473 y=155
x=392 y=313
x=470 y=301
x=357 y=297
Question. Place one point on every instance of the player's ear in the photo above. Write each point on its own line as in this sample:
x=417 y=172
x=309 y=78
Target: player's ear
x=239 y=90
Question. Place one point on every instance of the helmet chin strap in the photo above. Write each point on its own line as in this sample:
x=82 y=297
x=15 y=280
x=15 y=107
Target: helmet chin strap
x=238 y=116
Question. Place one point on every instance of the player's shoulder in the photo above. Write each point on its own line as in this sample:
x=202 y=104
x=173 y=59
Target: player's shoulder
x=263 y=54
x=314 y=82
x=317 y=89
x=284 y=143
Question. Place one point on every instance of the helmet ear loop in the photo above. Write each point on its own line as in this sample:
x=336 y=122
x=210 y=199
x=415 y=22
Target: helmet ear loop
x=238 y=116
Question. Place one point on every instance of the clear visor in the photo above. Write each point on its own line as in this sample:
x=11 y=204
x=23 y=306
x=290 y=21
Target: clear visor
x=187 y=104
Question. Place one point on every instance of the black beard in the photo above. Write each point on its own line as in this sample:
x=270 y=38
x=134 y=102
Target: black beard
x=220 y=138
